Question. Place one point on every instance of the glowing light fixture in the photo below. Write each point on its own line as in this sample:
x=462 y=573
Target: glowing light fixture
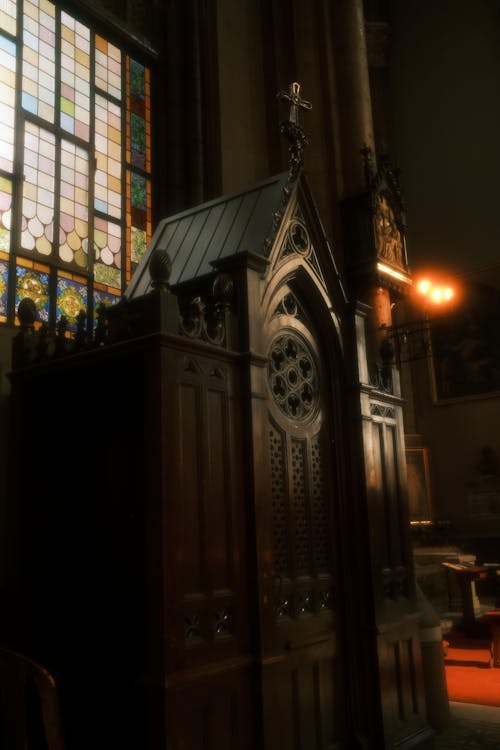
x=392 y=272
x=435 y=292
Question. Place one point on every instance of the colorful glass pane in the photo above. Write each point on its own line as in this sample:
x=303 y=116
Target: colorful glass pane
x=5 y=213
x=108 y=67
x=138 y=244
x=8 y=16
x=4 y=287
x=107 y=248
x=138 y=219
x=39 y=40
x=7 y=102
x=137 y=141
x=138 y=115
x=137 y=80
x=105 y=298
x=75 y=77
x=73 y=205
x=139 y=216
x=108 y=174
x=37 y=228
x=138 y=191
x=72 y=296
x=33 y=283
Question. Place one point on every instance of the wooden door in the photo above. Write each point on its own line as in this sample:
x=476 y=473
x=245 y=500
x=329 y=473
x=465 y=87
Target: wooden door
x=302 y=684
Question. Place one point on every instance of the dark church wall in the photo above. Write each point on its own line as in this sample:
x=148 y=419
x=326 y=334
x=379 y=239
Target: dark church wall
x=261 y=49
x=446 y=104
x=444 y=72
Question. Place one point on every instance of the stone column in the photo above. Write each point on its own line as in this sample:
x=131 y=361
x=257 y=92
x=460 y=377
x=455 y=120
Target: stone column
x=379 y=317
x=356 y=123
x=353 y=85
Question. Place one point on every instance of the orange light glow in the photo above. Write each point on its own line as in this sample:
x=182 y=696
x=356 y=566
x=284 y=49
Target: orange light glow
x=435 y=291
x=423 y=286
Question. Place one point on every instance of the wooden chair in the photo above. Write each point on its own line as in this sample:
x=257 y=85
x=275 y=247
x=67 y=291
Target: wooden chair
x=29 y=708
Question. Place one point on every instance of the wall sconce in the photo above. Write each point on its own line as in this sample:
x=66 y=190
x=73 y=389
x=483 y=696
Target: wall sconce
x=435 y=293
x=412 y=339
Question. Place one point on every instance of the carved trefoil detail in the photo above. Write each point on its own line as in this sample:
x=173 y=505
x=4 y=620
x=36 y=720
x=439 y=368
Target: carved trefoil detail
x=289 y=306
x=379 y=410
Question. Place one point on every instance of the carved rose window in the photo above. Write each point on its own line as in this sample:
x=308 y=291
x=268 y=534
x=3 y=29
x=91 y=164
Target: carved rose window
x=292 y=377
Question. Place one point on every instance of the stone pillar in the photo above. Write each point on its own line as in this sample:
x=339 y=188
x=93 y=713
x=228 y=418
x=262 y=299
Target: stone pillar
x=380 y=316
x=353 y=85
x=377 y=40
x=357 y=132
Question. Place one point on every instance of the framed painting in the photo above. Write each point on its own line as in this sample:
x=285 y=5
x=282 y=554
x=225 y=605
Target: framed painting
x=466 y=346
x=419 y=494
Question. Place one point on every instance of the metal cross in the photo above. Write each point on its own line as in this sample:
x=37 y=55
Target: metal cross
x=296 y=103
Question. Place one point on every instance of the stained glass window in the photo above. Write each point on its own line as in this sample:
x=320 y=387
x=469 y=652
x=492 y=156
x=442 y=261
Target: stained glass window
x=75 y=162
x=4 y=285
x=72 y=296
x=32 y=280
x=7 y=101
x=5 y=213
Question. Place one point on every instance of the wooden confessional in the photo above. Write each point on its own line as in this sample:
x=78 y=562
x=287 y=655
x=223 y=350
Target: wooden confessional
x=209 y=514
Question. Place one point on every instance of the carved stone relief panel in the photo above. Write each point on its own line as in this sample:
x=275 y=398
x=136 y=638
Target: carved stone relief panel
x=387 y=234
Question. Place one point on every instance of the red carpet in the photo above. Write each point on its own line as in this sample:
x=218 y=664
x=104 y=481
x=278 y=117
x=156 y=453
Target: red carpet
x=473 y=685
x=469 y=677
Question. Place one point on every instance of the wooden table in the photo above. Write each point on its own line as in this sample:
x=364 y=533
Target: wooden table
x=465 y=575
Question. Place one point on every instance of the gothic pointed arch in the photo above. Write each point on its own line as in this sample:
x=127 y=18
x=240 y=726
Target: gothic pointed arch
x=304 y=422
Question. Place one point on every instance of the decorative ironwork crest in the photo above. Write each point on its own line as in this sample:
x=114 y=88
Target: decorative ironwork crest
x=292 y=129
x=298 y=140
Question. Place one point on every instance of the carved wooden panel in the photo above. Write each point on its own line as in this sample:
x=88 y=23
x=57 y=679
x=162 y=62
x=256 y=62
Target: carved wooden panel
x=302 y=541
x=302 y=704
x=402 y=694
x=208 y=523
x=398 y=647
x=302 y=697
x=391 y=550
x=211 y=713
x=302 y=532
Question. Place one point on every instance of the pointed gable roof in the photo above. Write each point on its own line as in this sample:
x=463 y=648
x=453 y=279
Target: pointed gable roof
x=220 y=228
x=257 y=220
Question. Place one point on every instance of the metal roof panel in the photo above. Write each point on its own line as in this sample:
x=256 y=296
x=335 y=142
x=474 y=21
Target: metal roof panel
x=216 y=229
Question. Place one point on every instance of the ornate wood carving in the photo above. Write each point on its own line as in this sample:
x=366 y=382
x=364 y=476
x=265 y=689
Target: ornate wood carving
x=206 y=319
x=293 y=377
x=388 y=210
